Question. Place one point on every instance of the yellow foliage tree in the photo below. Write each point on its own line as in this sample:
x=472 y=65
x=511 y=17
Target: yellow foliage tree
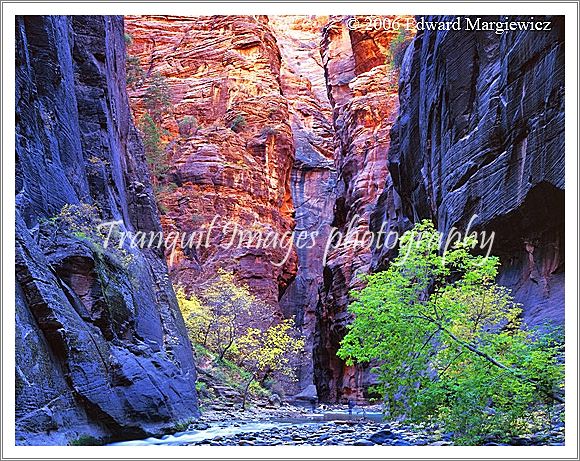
x=275 y=350
x=227 y=319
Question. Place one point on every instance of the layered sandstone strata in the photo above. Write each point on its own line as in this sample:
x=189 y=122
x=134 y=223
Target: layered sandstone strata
x=234 y=167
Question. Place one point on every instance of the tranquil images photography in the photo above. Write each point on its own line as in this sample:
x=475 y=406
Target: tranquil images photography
x=273 y=230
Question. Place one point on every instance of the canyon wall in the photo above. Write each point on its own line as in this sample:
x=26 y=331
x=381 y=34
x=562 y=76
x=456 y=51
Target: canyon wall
x=481 y=132
x=324 y=148
x=361 y=76
x=313 y=177
x=233 y=167
x=318 y=102
x=275 y=173
x=101 y=348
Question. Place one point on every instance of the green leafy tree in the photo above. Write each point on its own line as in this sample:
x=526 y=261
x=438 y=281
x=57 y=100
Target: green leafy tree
x=448 y=341
x=154 y=146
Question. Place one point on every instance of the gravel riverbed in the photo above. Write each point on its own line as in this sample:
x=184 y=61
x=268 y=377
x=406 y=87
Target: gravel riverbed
x=289 y=425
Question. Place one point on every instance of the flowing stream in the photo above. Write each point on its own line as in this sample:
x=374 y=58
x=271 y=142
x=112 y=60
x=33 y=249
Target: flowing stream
x=231 y=428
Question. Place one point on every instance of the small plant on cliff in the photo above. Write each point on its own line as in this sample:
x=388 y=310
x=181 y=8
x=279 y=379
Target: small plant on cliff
x=238 y=123
x=269 y=131
x=157 y=97
x=448 y=342
x=397 y=49
x=154 y=146
x=187 y=126
x=135 y=75
x=81 y=221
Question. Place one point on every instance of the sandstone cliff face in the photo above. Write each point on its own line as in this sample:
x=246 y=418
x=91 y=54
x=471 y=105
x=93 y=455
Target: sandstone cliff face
x=235 y=166
x=313 y=177
x=101 y=349
x=481 y=131
x=362 y=88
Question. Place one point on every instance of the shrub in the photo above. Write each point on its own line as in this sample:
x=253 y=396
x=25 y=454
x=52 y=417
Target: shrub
x=187 y=126
x=86 y=440
x=269 y=131
x=157 y=97
x=135 y=75
x=397 y=49
x=238 y=123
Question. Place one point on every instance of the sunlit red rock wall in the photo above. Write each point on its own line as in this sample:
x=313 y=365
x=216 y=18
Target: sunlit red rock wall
x=221 y=68
x=319 y=101
x=363 y=90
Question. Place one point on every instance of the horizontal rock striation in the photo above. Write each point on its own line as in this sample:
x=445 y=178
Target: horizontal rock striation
x=101 y=348
x=235 y=165
x=481 y=132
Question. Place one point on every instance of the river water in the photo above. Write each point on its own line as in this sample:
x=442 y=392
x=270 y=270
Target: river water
x=232 y=428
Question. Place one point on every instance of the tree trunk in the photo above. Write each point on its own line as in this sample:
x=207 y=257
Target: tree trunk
x=246 y=391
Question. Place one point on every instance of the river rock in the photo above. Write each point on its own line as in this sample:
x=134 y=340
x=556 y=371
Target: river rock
x=363 y=442
x=383 y=436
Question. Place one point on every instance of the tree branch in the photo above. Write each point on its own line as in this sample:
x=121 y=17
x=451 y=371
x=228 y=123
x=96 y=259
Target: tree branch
x=489 y=358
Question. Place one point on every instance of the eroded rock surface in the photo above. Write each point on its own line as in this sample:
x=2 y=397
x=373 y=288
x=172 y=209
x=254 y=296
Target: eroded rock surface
x=481 y=132
x=235 y=166
x=313 y=177
x=101 y=349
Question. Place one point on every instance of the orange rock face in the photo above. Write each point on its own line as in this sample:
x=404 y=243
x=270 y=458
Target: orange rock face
x=317 y=101
x=233 y=168
x=362 y=81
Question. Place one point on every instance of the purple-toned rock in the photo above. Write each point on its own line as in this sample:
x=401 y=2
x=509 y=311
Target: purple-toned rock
x=101 y=348
x=481 y=132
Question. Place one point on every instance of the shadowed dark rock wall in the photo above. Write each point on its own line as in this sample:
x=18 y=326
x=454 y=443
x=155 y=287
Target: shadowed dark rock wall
x=101 y=348
x=481 y=131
